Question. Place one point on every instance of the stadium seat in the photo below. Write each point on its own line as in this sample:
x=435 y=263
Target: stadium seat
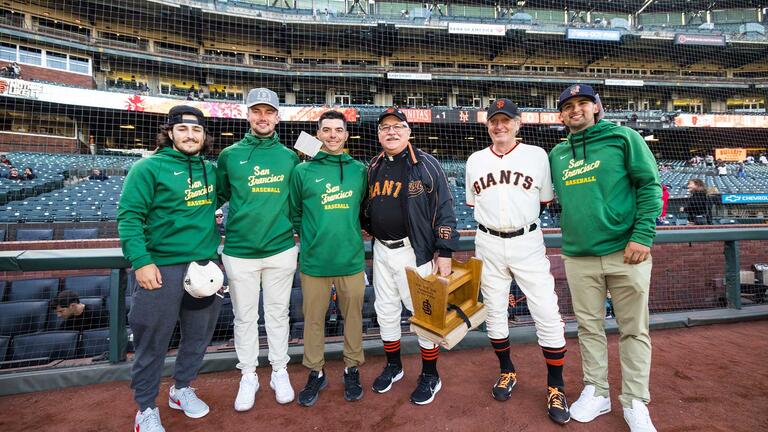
x=19 y=317
x=33 y=289
x=45 y=346
x=2 y=235
x=27 y=234
x=80 y=233
x=88 y=286
x=94 y=306
x=4 y=342
x=3 y=289
x=225 y=323
x=95 y=342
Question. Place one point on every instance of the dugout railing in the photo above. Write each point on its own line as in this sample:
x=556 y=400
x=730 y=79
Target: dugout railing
x=112 y=258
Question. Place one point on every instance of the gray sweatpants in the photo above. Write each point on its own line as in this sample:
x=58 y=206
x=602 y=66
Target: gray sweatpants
x=152 y=319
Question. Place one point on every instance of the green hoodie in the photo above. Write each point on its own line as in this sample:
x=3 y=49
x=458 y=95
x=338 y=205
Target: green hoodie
x=607 y=183
x=166 y=212
x=326 y=193
x=254 y=174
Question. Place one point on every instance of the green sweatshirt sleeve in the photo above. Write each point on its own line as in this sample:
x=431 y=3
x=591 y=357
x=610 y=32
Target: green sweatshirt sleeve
x=137 y=196
x=223 y=190
x=644 y=174
x=295 y=199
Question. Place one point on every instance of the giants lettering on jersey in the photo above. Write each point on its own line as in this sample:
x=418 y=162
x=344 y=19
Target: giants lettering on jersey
x=505 y=177
x=385 y=188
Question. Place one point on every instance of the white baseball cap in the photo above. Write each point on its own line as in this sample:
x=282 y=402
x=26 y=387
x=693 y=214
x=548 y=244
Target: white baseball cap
x=203 y=279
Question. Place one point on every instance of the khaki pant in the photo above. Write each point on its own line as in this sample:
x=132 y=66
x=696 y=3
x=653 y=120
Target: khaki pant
x=588 y=279
x=316 y=292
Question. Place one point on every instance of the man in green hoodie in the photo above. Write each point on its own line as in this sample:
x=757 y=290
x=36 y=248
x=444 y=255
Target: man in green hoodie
x=254 y=175
x=326 y=194
x=165 y=221
x=607 y=183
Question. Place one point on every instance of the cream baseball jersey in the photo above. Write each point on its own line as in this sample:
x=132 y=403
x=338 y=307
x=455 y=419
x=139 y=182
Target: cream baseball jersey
x=506 y=190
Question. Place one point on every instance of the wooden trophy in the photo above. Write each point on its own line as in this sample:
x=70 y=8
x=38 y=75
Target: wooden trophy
x=432 y=296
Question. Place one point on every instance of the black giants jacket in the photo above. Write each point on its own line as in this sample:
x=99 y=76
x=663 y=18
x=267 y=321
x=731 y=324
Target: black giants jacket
x=428 y=206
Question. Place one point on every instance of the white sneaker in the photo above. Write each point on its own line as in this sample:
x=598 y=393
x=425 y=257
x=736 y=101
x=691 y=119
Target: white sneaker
x=281 y=384
x=589 y=406
x=148 y=421
x=246 y=395
x=185 y=399
x=638 y=418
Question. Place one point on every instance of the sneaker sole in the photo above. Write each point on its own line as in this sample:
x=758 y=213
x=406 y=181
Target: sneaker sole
x=175 y=406
x=587 y=420
x=437 y=389
x=558 y=422
x=317 y=396
x=395 y=379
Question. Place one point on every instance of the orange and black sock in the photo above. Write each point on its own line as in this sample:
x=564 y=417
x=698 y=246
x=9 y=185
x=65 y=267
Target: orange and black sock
x=392 y=349
x=429 y=360
x=501 y=346
x=555 y=358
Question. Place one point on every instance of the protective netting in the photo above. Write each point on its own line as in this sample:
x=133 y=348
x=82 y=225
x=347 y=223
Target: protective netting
x=86 y=83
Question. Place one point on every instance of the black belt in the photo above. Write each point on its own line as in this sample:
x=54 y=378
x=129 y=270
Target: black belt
x=393 y=244
x=509 y=234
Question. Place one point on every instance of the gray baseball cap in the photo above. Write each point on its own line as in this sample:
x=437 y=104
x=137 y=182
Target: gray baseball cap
x=262 y=96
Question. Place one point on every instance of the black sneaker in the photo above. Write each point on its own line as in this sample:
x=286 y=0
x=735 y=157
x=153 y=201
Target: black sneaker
x=352 y=389
x=392 y=373
x=557 y=406
x=426 y=390
x=502 y=390
x=315 y=383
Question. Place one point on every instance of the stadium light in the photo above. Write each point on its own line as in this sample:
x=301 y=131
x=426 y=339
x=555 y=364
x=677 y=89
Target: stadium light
x=355 y=137
x=650 y=138
x=227 y=134
x=127 y=127
x=433 y=138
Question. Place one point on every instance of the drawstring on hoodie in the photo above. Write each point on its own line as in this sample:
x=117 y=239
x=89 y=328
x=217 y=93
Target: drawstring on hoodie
x=341 y=170
x=583 y=146
x=205 y=173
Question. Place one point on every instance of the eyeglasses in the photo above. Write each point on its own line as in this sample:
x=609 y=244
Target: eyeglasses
x=397 y=128
x=219 y=216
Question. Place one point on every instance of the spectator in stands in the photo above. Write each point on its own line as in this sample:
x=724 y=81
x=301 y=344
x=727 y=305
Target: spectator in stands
x=76 y=315
x=96 y=174
x=722 y=169
x=259 y=250
x=594 y=172
x=709 y=161
x=220 y=221
x=763 y=160
x=750 y=160
x=29 y=174
x=698 y=207
x=4 y=160
x=326 y=215
x=165 y=222
x=13 y=174
x=741 y=171
x=409 y=228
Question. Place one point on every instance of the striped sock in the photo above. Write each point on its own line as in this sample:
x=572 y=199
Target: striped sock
x=501 y=346
x=555 y=358
x=429 y=360
x=392 y=349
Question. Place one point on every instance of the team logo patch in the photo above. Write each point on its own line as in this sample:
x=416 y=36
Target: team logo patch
x=444 y=232
x=415 y=188
x=390 y=110
x=575 y=90
x=499 y=104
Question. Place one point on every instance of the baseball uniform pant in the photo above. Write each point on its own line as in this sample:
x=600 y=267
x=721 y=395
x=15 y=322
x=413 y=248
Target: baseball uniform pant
x=152 y=318
x=390 y=284
x=588 y=279
x=316 y=292
x=524 y=258
x=247 y=278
